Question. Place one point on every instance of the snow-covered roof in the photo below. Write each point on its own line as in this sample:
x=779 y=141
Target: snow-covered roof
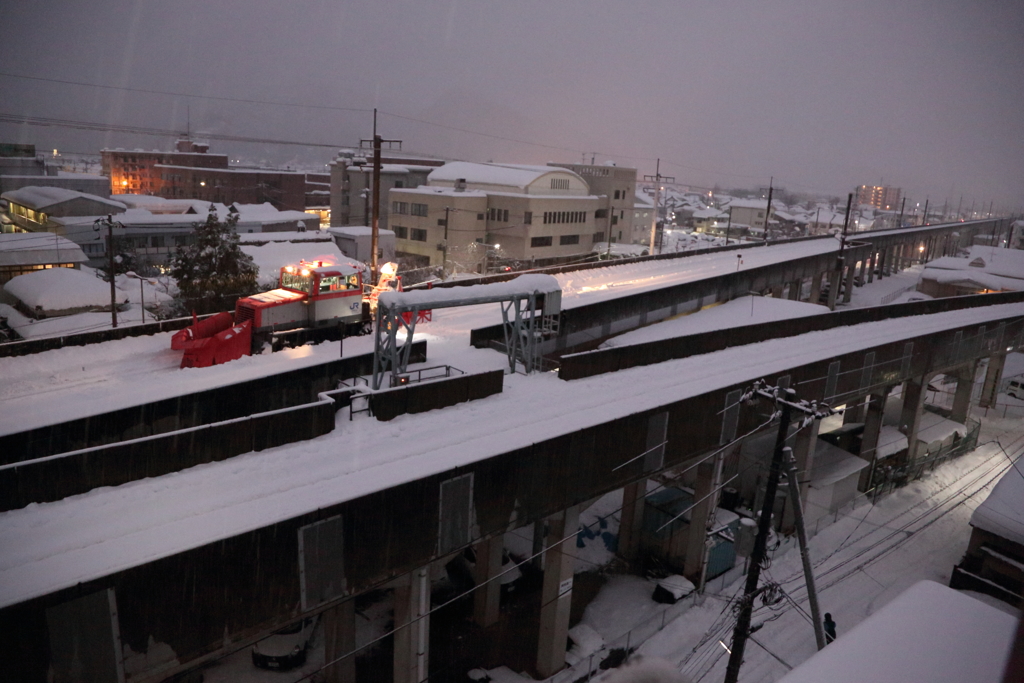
x=271 y=258
x=55 y=289
x=832 y=463
x=928 y=633
x=524 y=284
x=450 y=191
x=709 y=213
x=749 y=204
x=988 y=267
x=286 y=236
x=32 y=248
x=42 y=197
x=510 y=175
x=1002 y=513
x=358 y=231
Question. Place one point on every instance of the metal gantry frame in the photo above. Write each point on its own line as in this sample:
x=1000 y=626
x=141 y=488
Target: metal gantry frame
x=529 y=318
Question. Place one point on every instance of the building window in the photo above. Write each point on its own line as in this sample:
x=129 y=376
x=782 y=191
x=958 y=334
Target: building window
x=497 y=215
x=599 y=237
x=616 y=194
x=479 y=216
x=401 y=232
x=559 y=183
x=418 y=209
x=401 y=208
x=418 y=235
x=568 y=239
x=615 y=220
x=528 y=218
x=540 y=241
x=399 y=183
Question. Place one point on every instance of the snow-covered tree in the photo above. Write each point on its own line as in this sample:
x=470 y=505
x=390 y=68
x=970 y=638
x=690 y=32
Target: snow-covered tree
x=213 y=270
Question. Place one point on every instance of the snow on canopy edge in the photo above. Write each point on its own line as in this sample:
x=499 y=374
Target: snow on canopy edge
x=927 y=633
x=524 y=284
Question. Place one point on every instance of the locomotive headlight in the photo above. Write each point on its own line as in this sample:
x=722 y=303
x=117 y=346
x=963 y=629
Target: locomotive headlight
x=304 y=273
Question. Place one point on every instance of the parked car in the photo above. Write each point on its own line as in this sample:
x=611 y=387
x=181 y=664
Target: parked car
x=285 y=649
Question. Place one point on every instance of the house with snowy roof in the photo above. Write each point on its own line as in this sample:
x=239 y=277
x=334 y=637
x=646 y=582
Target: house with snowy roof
x=26 y=252
x=994 y=561
x=34 y=208
x=749 y=212
x=468 y=210
x=984 y=270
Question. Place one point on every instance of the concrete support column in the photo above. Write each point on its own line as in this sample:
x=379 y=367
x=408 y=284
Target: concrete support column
x=993 y=378
x=631 y=521
x=340 y=641
x=834 y=280
x=872 y=264
x=863 y=275
x=869 y=440
x=412 y=619
x=556 y=593
x=913 y=405
x=962 y=397
x=815 y=288
x=778 y=291
x=794 y=289
x=881 y=264
x=699 y=515
x=487 y=596
x=851 y=271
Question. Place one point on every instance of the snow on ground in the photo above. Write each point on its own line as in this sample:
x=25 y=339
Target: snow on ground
x=748 y=310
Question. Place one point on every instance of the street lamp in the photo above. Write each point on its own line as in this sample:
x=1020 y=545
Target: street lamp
x=142 y=293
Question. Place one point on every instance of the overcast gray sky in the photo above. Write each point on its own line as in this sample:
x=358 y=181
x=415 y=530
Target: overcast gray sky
x=923 y=94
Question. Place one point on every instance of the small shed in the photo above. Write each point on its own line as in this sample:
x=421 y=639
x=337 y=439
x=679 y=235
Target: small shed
x=25 y=252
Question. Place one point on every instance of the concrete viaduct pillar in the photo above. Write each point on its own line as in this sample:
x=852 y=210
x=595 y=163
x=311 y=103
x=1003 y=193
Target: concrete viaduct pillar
x=795 y=287
x=815 y=288
x=835 y=277
x=340 y=643
x=993 y=378
x=556 y=593
x=851 y=271
x=869 y=440
x=412 y=621
x=962 y=397
x=699 y=516
x=913 y=405
x=487 y=596
x=631 y=521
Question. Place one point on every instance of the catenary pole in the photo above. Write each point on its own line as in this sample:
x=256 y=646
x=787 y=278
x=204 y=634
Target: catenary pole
x=742 y=630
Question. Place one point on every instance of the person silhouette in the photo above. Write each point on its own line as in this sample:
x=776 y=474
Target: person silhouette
x=830 y=628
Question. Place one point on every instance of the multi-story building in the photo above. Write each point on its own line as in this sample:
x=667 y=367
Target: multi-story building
x=191 y=172
x=618 y=186
x=749 y=212
x=351 y=185
x=513 y=211
x=20 y=166
x=881 y=197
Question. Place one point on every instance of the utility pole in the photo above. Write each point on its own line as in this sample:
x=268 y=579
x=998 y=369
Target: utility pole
x=924 y=216
x=728 y=225
x=376 y=143
x=768 y=213
x=444 y=246
x=785 y=397
x=657 y=178
x=899 y=221
x=798 y=519
x=109 y=222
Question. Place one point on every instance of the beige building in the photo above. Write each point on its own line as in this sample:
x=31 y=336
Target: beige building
x=750 y=212
x=504 y=210
x=618 y=187
x=352 y=184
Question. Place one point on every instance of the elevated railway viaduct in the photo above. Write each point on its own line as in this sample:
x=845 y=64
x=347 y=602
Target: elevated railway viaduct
x=177 y=605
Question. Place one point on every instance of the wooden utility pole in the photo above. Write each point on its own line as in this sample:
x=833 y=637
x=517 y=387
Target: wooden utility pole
x=377 y=142
x=444 y=246
x=768 y=213
x=109 y=222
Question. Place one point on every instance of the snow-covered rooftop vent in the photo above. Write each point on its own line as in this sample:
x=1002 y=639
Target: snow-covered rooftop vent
x=460 y=185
